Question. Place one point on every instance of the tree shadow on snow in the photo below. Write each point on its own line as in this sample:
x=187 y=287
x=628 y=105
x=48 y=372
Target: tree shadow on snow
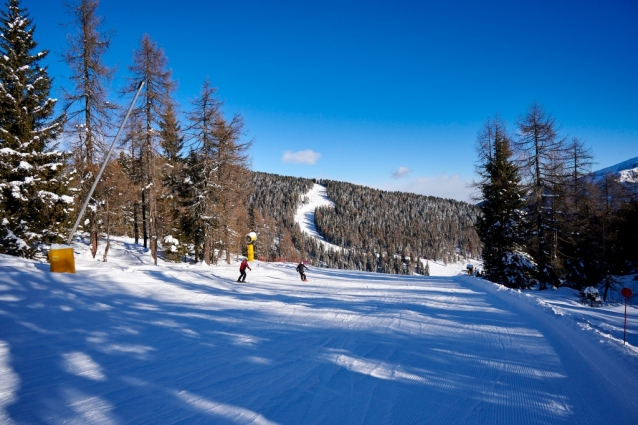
x=80 y=352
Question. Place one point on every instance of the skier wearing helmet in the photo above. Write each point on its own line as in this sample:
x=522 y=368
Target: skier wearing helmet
x=300 y=269
x=242 y=270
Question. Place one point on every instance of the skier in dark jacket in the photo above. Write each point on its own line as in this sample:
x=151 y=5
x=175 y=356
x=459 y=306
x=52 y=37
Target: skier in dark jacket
x=242 y=270
x=300 y=269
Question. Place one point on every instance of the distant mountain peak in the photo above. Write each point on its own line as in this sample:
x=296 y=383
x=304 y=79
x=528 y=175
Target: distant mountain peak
x=627 y=171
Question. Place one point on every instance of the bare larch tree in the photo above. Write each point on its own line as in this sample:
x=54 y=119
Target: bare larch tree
x=151 y=65
x=86 y=102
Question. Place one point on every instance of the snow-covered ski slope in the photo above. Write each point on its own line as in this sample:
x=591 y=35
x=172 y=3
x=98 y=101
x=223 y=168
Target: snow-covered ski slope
x=127 y=342
x=305 y=216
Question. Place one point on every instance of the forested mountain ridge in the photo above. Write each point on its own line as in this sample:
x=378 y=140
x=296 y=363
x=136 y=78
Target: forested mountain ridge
x=397 y=222
x=379 y=230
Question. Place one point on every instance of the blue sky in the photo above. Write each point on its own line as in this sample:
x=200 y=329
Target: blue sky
x=386 y=94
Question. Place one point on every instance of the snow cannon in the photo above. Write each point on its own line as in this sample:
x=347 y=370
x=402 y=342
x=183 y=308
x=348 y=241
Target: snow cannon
x=250 y=242
x=61 y=259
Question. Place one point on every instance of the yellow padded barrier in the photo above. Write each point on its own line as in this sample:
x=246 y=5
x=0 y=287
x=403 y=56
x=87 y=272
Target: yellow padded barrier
x=61 y=259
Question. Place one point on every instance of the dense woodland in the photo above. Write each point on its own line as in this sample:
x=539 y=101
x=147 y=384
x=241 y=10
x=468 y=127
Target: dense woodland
x=378 y=230
x=376 y=221
x=546 y=219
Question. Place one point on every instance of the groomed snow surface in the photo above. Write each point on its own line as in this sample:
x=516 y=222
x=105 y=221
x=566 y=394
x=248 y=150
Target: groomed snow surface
x=305 y=217
x=127 y=342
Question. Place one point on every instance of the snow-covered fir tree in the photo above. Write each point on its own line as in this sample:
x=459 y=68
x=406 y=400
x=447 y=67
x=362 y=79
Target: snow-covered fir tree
x=500 y=224
x=33 y=190
x=170 y=204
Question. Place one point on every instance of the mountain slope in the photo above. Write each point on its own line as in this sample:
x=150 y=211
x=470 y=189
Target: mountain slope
x=626 y=171
x=398 y=223
x=371 y=229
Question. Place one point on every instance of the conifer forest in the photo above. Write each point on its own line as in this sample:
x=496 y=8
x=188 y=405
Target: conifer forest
x=376 y=230
x=177 y=181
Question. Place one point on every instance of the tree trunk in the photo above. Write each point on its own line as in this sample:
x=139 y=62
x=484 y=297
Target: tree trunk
x=227 y=245
x=108 y=231
x=153 y=224
x=93 y=243
x=144 y=224
x=93 y=233
x=207 y=245
x=136 y=227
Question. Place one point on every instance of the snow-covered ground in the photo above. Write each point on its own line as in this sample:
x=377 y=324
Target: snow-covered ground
x=305 y=217
x=127 y=342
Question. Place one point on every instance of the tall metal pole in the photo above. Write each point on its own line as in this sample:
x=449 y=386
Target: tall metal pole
x=106 y=160
x=625 y=292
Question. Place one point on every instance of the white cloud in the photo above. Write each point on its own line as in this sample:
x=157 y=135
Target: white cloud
x=401 y=172
x=442 y=186
x=307 y=157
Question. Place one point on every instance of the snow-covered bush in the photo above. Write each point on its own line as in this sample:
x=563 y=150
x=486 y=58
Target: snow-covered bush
x=590 y=296
x=518 y=269
x=173 y=250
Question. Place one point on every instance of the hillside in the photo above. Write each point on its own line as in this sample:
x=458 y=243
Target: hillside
x=625 y=172
x=367 y=229
x=399 y=223
x=128 y=342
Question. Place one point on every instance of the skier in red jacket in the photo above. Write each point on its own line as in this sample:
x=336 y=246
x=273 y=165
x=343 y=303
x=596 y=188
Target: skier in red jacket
x=242 y=271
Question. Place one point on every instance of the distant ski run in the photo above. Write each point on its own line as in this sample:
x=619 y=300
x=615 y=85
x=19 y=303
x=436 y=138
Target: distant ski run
x=305 y=216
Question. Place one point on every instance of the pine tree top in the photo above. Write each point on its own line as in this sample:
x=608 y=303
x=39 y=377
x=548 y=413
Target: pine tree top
x=25 y=105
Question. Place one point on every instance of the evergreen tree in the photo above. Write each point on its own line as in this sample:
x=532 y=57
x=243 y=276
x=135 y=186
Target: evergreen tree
x=33 y=201
x=231 y=177
x=171 y=137
x=612 y=197
x=222 y=186
x=201 y=168
x=500 y=223
x=194 y=220
x=170 y=205
x=626 y=227
x=373 y=225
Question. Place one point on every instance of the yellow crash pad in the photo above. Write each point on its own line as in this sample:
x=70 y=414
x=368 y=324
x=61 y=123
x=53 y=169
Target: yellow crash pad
x=61 y=259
